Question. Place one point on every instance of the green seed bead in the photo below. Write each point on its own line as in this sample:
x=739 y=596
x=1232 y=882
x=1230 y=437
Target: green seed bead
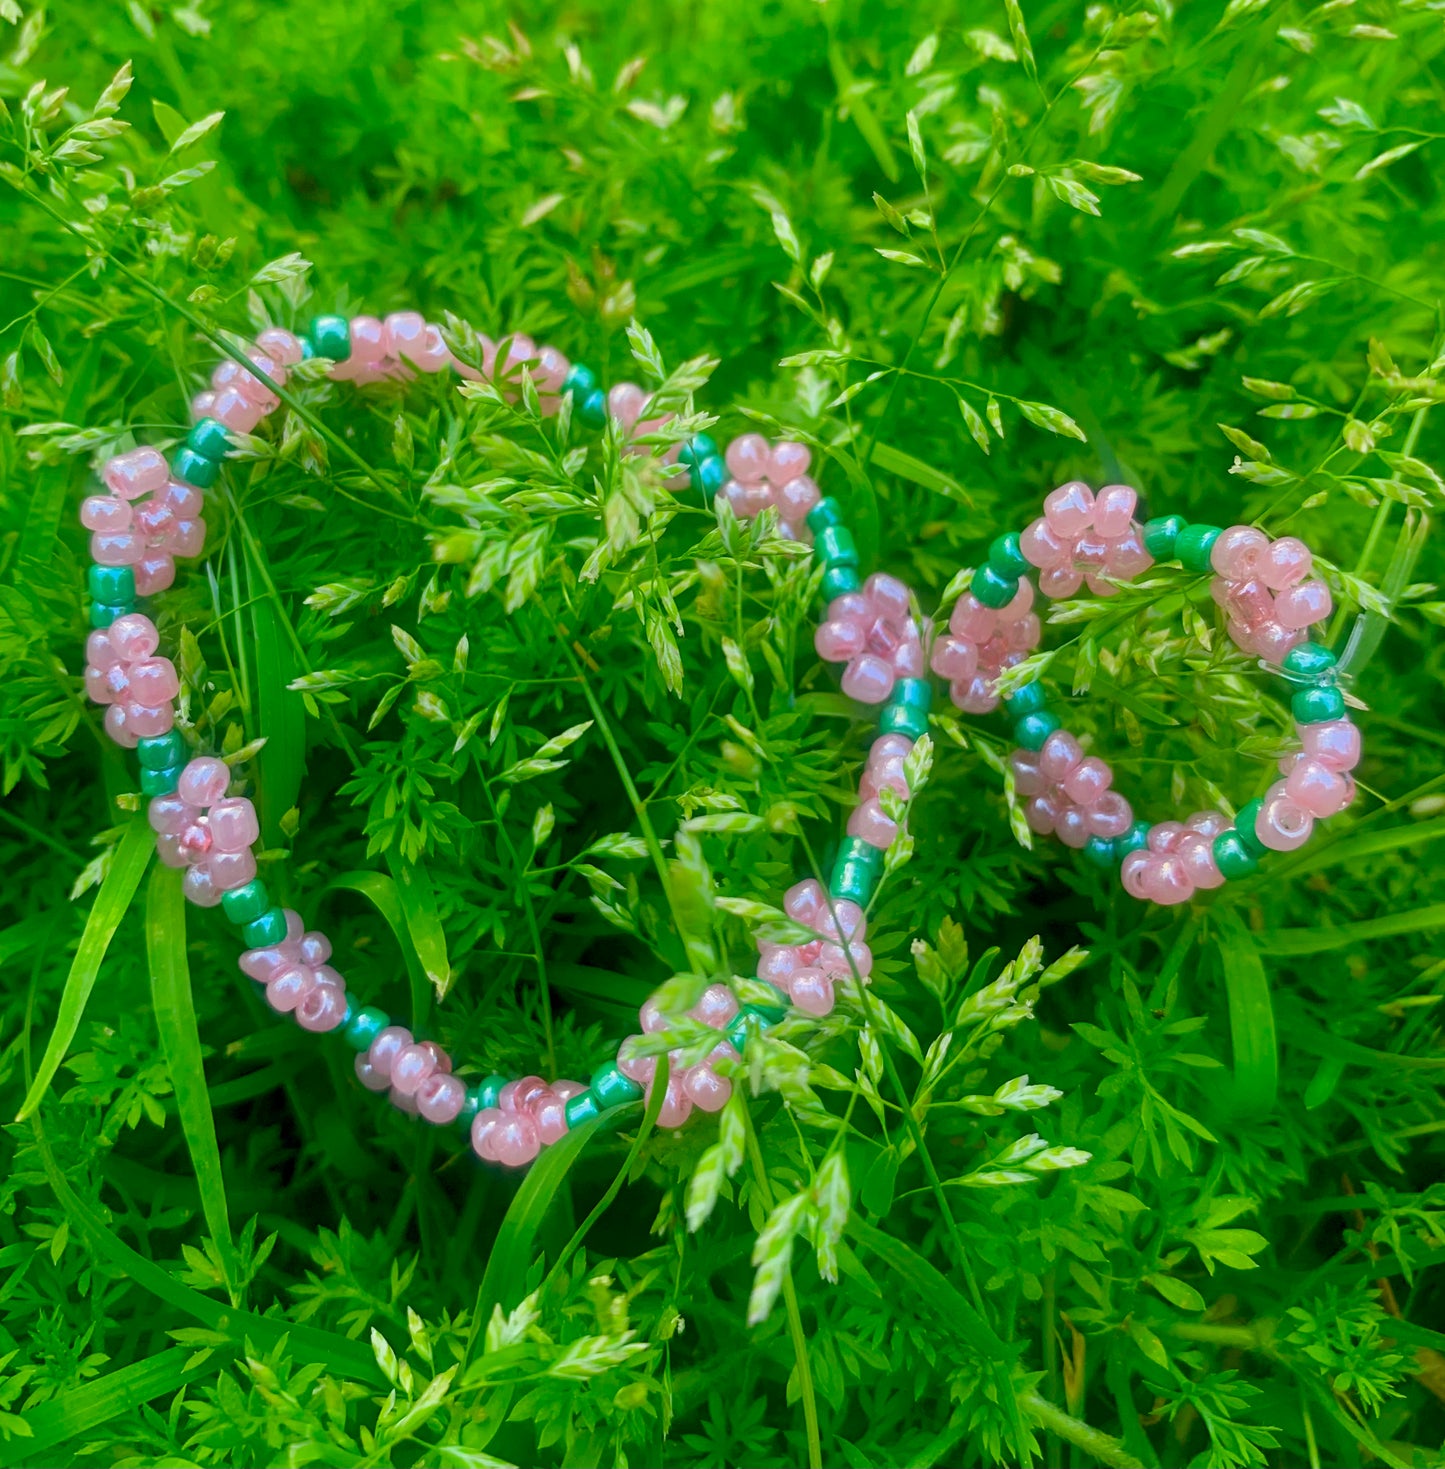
x=709 y=476
x=209 y=439
x=1100 y=851
x=1136 y=839
x=471 y=1105
x=1232 y=857
x=1194 y=544
x=839 y=580
x=900 y=719
x=697 y=448
x=612 y=1088
x=1028 y=700
x=1316 y=705
x=1005 y=556
x=1032 y=730
x=113 y=585
x=308 y=349
x=993 y=588
x=854 y=881
x=1309 y=662
x=331 y=337
x=268 y=929
x=102 y=614
x=582 y=1108
x=855 y=849
x=160 y=782
x=580 y=383
x=593 y=410
x=916 y=693
x=1161 y=534
x=1244 y=827
x=364 y=1027
x=771 y=1014
x=825 y=513
x=160 y=752
x=246 y=904
x=491 y=1089
x=834 y=547
x=193 y=469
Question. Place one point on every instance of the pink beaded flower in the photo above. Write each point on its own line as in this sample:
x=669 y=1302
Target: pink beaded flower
x=297 y=976
x=807 y=973
x=1083 y=537
x=148 y=535
x=1263 y=588
x=868 y=821
x=529 y=1116
x=776 y=475
x=1317 y=783
x=687 y=1086
x=1068 y=793
x=198 y=827
x=873 y=631
x=1178 y=860
x=981 y=643
x=123 y=672
x=626 y=402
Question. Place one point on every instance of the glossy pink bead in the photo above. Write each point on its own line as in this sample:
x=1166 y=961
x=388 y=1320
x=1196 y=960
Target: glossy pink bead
x=1069 y=509
x=717 y=1006
x=1041 y=813
x=837 y=642
x=154 y=573
x=868 y=679
x=411 y=1066
x=972 y=621
x=1132 y=870
x=705 y=1089
x=386 y=1047
x=105 y=513
x=805 y=901
x=1166 y=881
x=1071 y=826
x=1303 y=605
x=204 y=780
x=234 y=409
x=1060 y=581
x=280 y=346
x=813 y=992
x=1207 y=823
x=1114 y=510
x=1319 y=789
x=440 y=1098
x=136 y=473
x=515 y=1141
x=748 y=458
x=869 y=823
x=1283 y=824
x=1196 y=852
x=1061 y=752
x=1239 y=553
x=1164 y=836
x=322 y=1008
x=1286 y=563
x=1042 y=546
x=1334 y=743
x=1088 y=780
x=367 y=1075
x=1029 y=780
x=550 y=1115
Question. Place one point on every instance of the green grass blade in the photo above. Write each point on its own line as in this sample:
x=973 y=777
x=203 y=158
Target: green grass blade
x=1251 y=1016
x=382 y=893
x=1324 y=940
x=905 y=466
x=281 y=715
x=110 y=906
x=165 y=923
x=418 y=901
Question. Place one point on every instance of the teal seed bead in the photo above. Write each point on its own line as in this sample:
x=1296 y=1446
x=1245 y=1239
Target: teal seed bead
x=160 y=782
x=1005 y=556
x=580 y=383
x=268 y=929
x=1244 y=828
x=113 y=585
x=709 y=476
x=834 y=547
x=697 y=448
x=491 y=1089
x=1194 y=544
x=209 y=439
x=161 y=751
x=900 y=719
x=582 y=1108
x=771 y=1014
x=993 y=588
x=364 y=1027
x=1136 y=839
x=914 y=693
x=247 y=903
x=1232 y=857
x=1316 y=705
x=855 y=849
x=331 y=337
x=471 y=1105
x=854 y=881
x=102 y=614
x=839 y=580
x=1033 y=729
x=593 y=408
x=825 y=513
x=1309 y=663
x=308 y=351
x=1100 y=851
x=1028 y=700
x=194 y=469
x=1161 y=534
x=612 y=1088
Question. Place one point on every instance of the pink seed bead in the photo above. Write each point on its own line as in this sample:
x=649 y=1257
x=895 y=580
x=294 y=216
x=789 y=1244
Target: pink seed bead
x=1060 y=581
x=484 y=1132
x=748 y=458
x=651 y=1017
x=975 y=695
x=432 y=355
x=366 y=1074
x=1239 y=553
x=676 y=1104
x=704 y=1088
x=1042 y=546
x=1287 y=562
x=1248 y=602
x=804 y=901
x=147 y=721
x=837 y=642
x=139 y=472
x=117 y=547
x=776 y=962
x=1088 y=780
x=550 y=1115
x=1024 y=635
x=368 y=341
x=199 y=887
x=153 y=680
x=868 y=679
x=788 y=461
x=252 y=388
x=569 y=1089
x=869 y=823
x=280 y=346
x=850 y=921
x=1091 y=551
x=440 y=1097
x=1166 y=881
x=1196 y=852
x=1132 y=871
x=386 y=1047
x=516 y=1142
x=1113 y=510
x=1164 y=836
x=1071 y=826
x=1060 y=754
x=154 y=573
x=412 y=1065
x=322 y=1008
x=1334 y=743
x=116 y=728
x=1041 y=813
x=813 y=992
x=234 y=409
x=105 y=513
x=632 y=1064
x=1315 y=786
x=1303 y=605
x=717 y=1006
x=954 y=658
x=1128 y=556
x=797 y=497
x=1207 y=823
x=888 y=596
x=188 y=538
x=522 y=1095
x=285 y=989
x=203 y=782
x=1029 y=780
x=972 y=621
x=263 y=965
x=314 y=948
x=835 y=962
x=231 y=869
x=908 y=657
x=1069 y=509
x=404 y=333
x=1283 y=824
x=201 y=405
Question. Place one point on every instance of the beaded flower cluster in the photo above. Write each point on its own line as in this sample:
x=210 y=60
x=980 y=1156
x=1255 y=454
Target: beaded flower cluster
x=152 y=514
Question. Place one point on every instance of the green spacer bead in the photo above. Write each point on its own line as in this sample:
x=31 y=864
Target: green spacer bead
x=308 y=350
x=331 y=337
x=1309 y=662
x=593 y=408
x=113 y=585
x=491 y=1089
x=1028 y=700
x=697 y=448
x=1194 y=544
x=582 y=1108
x=1100 y=851
x=160 y=752
x=580 y=383
x=834 y=546
x=1161 y=534
x=612 y=1088
x=839 y=580
x=771 y=1014
x=471 y=1105
x=1033 y=729
x=103 y=614
x=900 y=719
x=992 y=587
x=1136 y=839
x=1232 y=857
x=915 y=693
x=364 y=1027
x=193 y=469
x=854 y=881
x=246 y=903
x=209 y=439
x=855 y=849
x=825 y=513
x=160 y=782
x=1005 y=556
x=268 y=929
x=709 y=476
x=1316 y=705
x=1244 y=828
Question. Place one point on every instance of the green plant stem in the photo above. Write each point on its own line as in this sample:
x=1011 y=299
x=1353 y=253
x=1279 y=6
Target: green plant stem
x=1097 y=1445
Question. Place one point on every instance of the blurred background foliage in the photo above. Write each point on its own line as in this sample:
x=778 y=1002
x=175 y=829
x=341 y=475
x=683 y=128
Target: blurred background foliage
x=967 y=252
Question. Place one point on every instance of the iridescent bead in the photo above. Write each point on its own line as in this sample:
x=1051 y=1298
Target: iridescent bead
x=805 y=901
x=1166 y=881
x=484 y=1129
x=1088 y=780
x=105 y=513
x=199 y=887
x=411 y=1066
x=1132 y=871
x=1239 y=553
x=367 y=341
x=1071 y=826
x=136 y=473
x=1317 y=787
x=322 y=1008
x=788 y=461
x=954 y=658
x=1029 y=780
x=1164 y=836
x=368 y=1075
x=812 y=992
x=633 y=1064
x=550 y=1116
x=386 y=1048
x=1207 y=823
x=972 y=621
x=676 y=1104
x=1041 y=813
x=440 y=1097
x=868 y=679
x=1334 y=743
x=716 y=1008
x=1061 y=752
x=1114 y=510
x=705 y=1089
x=233 y=408
x=1303 y=605
x=1286 y=562
x=976 y=695
x=1196 y=852
x=281 y=346
x=1060 y=581
x=1042 y=546
x=869 y=823
x=837 y=642
x=1283 y=824
x=204 y=780
x=748 y=458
